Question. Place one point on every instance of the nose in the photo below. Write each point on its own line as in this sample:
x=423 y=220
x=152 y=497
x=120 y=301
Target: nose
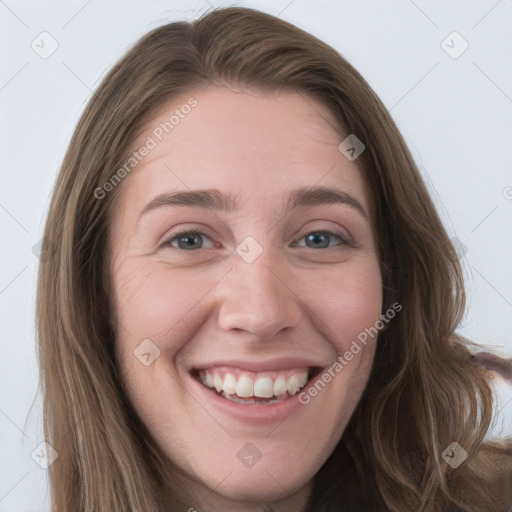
x=258 y=297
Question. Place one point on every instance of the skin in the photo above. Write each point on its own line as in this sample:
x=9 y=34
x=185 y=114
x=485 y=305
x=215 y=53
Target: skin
x=502 y=366
x=209 y=302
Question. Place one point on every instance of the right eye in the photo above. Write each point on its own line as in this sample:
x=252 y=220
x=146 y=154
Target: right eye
x=186 y=239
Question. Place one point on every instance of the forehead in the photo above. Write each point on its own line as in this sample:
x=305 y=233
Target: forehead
x=219 y=109
x=253 y=145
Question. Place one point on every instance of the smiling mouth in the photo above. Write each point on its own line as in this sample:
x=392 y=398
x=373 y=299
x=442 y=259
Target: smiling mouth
x=248 y=388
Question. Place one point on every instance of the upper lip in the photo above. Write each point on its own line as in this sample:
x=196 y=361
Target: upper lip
x=283 y=363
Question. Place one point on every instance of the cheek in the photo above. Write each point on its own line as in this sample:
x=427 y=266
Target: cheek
x=349 y=302
x=156 y=303
x=152 y=301
x=347 y=307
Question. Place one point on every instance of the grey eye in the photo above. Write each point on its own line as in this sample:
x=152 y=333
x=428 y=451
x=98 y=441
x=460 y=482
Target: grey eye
x=188 y=239
x=321 y=239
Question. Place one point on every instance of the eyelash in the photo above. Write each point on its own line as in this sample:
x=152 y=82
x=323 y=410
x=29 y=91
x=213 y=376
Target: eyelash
x=195 y=232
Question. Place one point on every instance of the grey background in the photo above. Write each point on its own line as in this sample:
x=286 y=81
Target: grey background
x=455 y=112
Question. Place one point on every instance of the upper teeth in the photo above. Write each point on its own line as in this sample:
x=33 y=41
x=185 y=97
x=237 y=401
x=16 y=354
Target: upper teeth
x=248 y=384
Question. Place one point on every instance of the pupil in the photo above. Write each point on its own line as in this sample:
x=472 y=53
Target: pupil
x=186 y=240
x=314 y=238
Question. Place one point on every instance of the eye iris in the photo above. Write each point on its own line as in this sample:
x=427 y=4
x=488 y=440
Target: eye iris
x=315 y=236
x=187 y=237
x=193 y=239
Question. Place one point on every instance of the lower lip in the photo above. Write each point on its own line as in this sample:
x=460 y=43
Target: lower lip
x=257 y=414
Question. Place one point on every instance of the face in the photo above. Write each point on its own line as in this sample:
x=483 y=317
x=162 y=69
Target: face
x=237 y=311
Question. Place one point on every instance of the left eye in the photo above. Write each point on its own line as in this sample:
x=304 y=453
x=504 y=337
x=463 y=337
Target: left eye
x=321 y=239
x=192 y=239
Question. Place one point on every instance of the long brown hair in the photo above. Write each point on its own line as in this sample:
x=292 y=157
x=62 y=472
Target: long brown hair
x=424 y=391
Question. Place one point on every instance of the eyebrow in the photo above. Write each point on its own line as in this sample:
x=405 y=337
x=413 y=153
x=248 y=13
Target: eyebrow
x=214 y=199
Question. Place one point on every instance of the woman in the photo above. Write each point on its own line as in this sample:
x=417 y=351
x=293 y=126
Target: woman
x=198 y=349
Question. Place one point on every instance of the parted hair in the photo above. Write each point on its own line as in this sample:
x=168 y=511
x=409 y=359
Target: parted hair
x=424 y=391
